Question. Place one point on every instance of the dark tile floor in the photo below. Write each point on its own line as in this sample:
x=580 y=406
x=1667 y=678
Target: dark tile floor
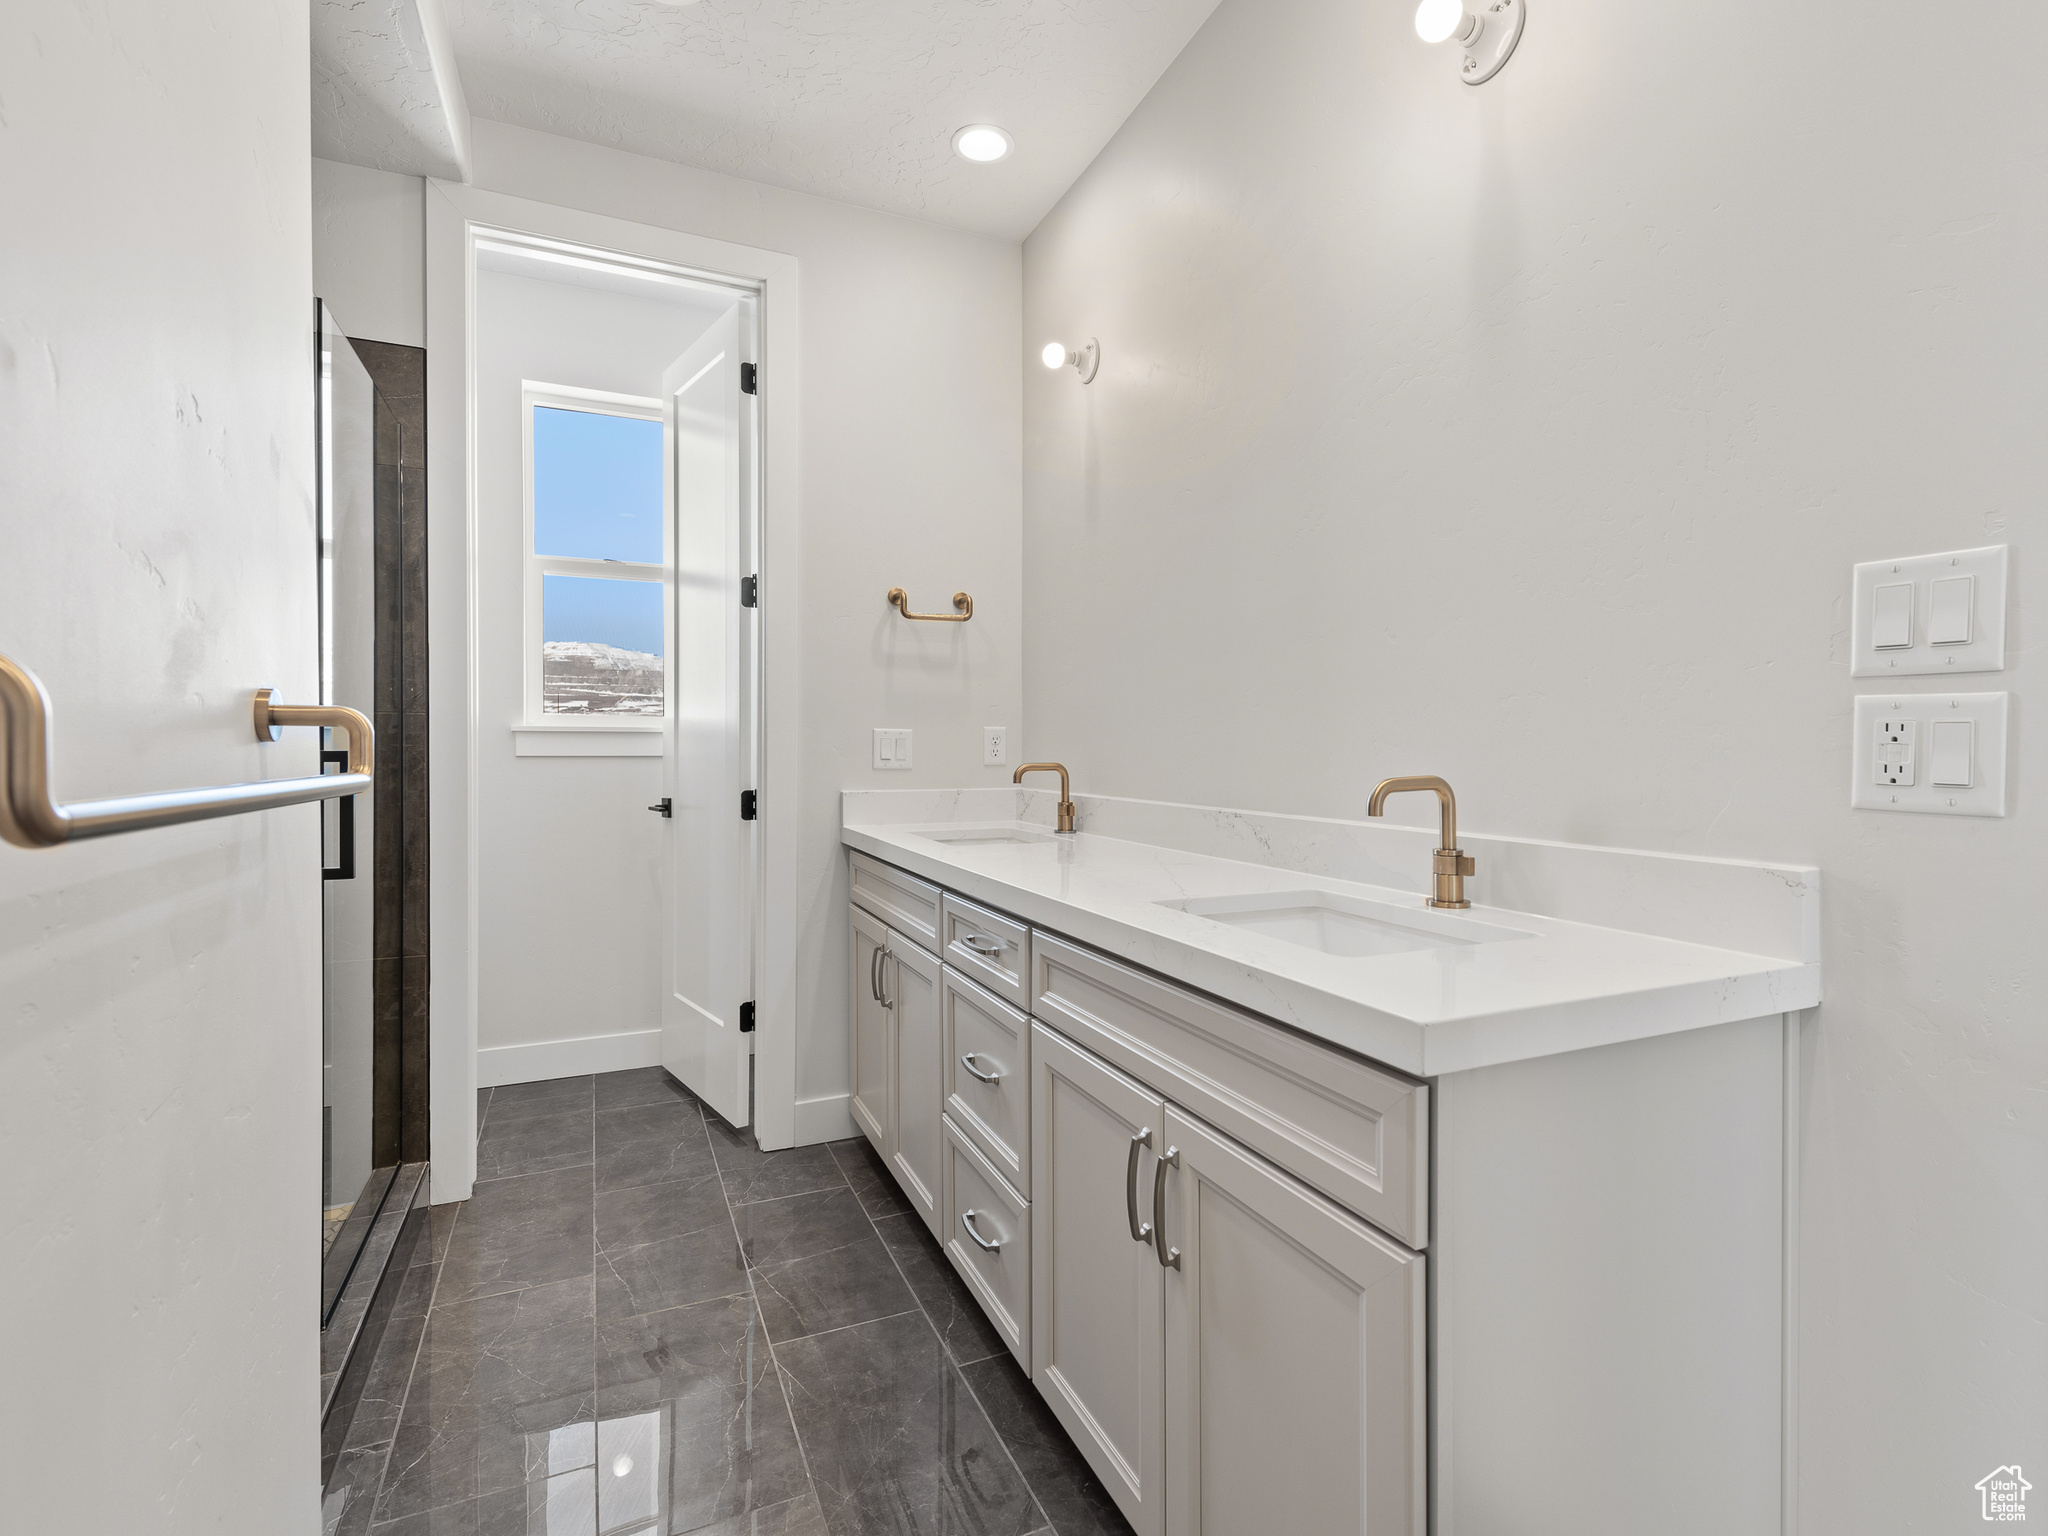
x=642 y=1325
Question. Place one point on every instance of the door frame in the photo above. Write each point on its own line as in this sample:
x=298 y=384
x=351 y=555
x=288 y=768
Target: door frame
x=455 y=217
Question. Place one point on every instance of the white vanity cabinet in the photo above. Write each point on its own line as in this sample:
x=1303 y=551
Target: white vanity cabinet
x=897 y=1037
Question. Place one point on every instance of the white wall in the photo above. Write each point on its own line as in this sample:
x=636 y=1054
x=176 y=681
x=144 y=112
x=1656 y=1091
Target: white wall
x=369 y=251
x=568 y=930
x=159 y=992
x=909 y=417
x=1526 y=434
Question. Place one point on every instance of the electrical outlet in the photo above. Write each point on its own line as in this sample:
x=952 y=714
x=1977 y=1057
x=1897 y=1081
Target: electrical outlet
x=995 y=746
x=1942 y=754
x=892 y=748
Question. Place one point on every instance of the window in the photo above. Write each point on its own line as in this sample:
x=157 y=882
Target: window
x=595 y=626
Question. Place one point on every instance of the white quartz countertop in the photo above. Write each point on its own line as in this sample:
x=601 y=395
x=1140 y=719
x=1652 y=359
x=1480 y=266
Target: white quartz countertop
x=1480 y=998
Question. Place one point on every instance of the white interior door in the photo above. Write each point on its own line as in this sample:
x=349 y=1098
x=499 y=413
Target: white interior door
x=708 y=756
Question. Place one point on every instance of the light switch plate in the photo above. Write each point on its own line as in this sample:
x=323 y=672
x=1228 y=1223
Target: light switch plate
x=1951 y=620
x=1925 y=725
x=892 y=747
x=995 y=746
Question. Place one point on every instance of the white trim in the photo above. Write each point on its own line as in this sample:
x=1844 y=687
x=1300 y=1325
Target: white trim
x=824 y=1119
x=540 y=1060
x=1788 y=1346
x=586 y=741
x=453 y=212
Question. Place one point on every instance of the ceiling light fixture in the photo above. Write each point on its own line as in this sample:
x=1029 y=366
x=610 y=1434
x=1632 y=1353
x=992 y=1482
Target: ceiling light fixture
x=1084 y=361
x=1488 y=38
x=981 y=143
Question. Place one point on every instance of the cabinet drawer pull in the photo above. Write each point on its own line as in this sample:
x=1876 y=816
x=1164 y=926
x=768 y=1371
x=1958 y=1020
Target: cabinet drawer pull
x=982 y=945
x=875 y=973
x=1141 y=1231
x=1169 y=1258
x=967 y=1222
x=973 y=1071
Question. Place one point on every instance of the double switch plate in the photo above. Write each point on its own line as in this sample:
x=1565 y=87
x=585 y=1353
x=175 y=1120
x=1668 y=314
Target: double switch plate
x=1941 y=753
x=1930 y=613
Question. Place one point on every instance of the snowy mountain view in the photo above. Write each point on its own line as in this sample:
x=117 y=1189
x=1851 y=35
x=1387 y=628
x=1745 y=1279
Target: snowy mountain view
x=582 y=677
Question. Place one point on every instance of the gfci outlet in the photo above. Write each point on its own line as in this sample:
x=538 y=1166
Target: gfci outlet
x=1942 y=754
x=995 y=746
x=892 y=747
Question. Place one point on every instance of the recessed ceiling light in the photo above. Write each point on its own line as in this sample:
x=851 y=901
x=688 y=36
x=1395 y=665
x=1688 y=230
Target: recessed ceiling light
x=981 y=143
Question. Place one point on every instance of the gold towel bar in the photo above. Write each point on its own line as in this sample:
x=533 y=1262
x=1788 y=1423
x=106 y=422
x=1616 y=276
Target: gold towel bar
x=29 y=818
x=900 y=601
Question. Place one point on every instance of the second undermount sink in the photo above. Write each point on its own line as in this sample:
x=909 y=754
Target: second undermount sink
x=1348 y=926
x=989 y=835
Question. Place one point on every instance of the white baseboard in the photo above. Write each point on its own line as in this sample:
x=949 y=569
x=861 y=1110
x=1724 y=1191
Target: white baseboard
x=498 y=1065
x=826 y=1119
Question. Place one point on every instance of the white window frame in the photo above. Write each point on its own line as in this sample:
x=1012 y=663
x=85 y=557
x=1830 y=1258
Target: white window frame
x=611 y=728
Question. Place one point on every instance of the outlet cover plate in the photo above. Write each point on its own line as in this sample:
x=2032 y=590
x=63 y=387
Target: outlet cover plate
x=1984 y=651
x=1986 y=793
x=995 y=746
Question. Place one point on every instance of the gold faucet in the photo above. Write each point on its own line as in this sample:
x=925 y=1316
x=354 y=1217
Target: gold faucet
x=1066 y=800
x=1450 y=866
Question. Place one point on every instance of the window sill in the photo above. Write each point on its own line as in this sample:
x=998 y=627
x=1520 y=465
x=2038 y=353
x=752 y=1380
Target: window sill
x=581 y=740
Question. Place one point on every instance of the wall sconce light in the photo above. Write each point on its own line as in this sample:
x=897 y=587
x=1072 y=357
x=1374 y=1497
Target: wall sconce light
x=1488 y=38
x=1084 y=362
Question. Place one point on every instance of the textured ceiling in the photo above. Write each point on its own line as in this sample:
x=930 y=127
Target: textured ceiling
x=851 y=99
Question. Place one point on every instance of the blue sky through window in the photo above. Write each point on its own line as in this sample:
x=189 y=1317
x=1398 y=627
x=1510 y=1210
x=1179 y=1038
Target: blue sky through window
x=596 y=487
x=626 y=614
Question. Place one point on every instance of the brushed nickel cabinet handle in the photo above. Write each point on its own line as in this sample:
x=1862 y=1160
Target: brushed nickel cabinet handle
x=975 y=1072
x=982 y=945
x=1141 y=1231
x=967 y=1222
x=888 y=998
x=875 y=973
x=1169 y=1258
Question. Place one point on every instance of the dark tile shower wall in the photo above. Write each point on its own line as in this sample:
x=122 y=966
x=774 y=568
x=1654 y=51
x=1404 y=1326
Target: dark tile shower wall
x=399 y=1129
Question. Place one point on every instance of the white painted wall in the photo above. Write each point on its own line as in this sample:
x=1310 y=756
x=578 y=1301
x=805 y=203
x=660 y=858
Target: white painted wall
x=1526 y=435
x=910 y=451
x=568 y=923
x=159 y=992
x=369 y=252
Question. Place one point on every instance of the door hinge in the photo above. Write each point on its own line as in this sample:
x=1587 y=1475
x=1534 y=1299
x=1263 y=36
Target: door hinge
x=663 y=807
x=750 y=804
x=750 y=591
x=746 y=1018
x=750 y=379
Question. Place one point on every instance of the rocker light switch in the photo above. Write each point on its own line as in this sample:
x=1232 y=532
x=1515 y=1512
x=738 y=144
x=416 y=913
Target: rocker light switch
x=1952 y=742
x=1948 y=614
x=1891 y=616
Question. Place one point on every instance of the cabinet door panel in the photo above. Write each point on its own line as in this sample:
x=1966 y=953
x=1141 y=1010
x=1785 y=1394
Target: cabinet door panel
x=1097 y=1325
x=1294 y=1354
x=912 y=994
x=873 y=1065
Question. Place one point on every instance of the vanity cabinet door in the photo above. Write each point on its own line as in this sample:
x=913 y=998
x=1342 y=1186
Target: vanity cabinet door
x=873 y=1044
x=1294 y=1353
x=910 y=993
x=1097 y=1293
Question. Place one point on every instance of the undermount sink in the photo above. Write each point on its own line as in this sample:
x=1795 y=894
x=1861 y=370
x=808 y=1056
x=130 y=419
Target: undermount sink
x=989 y=835
x=1348 y=926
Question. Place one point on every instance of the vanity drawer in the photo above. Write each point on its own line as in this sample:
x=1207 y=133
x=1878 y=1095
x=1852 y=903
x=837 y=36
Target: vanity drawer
x=904 y=902
x=993 y=949
x=986 y=1038
x=1358 y=1133
x=979 y=1204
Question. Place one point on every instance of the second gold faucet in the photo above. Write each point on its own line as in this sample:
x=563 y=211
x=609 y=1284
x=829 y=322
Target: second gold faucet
x=1066 y=822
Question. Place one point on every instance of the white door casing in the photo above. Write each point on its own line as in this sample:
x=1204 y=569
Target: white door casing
x=708 y=928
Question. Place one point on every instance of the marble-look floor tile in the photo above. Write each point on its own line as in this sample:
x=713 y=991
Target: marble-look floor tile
x=961 y=1324
x=776 y=1231
x=896 y=1442
x=674 y=1272
x=833 y=1289
x=518 y=1232
x=751 y=1174
x=797 y=1517
x=432 y=1247
x=650 y=1144
x=565 y=1505
x=558 y=1096
x=640 y=1085
x=869 y=1178
x=703 y=1379
x=534 y=1144
x=384 y=1389
x=646 y=1213
x=1066 y=1487
x=350 y=1497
